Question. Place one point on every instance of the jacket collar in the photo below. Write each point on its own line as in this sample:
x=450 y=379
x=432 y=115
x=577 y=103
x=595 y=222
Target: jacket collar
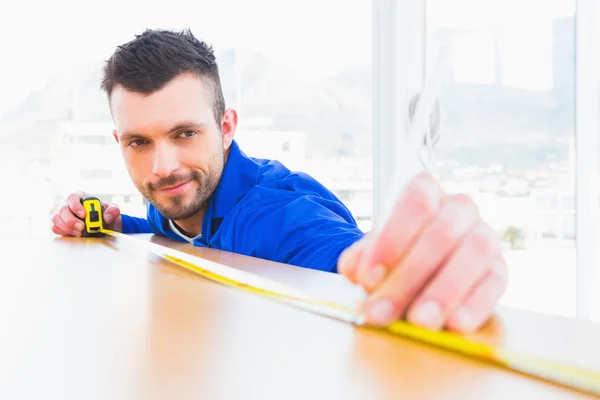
x=240 y=174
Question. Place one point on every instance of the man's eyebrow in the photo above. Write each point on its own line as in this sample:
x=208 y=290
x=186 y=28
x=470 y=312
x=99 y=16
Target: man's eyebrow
x=179 y=126
x=187 y=125
x=130 y=136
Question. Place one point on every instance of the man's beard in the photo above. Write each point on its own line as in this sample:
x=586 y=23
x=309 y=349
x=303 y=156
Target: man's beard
x=176 y=209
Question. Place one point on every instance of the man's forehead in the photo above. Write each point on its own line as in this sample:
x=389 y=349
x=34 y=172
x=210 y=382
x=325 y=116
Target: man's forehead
x=182 y=99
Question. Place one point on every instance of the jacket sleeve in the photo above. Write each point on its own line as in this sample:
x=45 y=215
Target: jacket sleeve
x=307 y=231
x=135 y=224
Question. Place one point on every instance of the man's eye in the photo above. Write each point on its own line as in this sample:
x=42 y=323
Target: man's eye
x=187 y=134
x=137 y=143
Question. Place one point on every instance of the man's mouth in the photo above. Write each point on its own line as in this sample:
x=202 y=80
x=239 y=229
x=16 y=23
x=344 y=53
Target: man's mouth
x=174 y=189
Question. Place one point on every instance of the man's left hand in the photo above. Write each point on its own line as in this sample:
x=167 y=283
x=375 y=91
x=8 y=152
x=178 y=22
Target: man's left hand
x=434 y=263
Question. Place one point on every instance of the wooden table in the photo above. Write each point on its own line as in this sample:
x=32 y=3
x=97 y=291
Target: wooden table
x=98 y=319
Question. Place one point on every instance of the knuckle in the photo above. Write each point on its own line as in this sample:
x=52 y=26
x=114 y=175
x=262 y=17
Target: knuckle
x=482 y=240
x=443 y=231
x=422 y=201
x=55 y=219
x=466 y=203
x=452 y=224
x=66 y=214
x=461 y=198
x=417 y=203
x=464 y=200
x=71 y=222
x=72 y=197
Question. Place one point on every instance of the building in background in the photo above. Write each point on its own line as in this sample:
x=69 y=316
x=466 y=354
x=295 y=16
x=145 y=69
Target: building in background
x=89 y=159
x=258 y=139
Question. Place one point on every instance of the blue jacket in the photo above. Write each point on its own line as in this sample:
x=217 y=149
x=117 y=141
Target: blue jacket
x=262 y=209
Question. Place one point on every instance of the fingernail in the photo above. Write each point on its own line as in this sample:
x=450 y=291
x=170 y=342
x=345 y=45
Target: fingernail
x=465 y=319
x=108 y=218
x=374 y=276
x=382 y=312
x=427 y=315
x=81 y=213
x=79 y=225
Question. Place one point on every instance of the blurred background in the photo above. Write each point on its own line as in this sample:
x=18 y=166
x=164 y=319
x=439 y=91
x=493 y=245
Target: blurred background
x=300 y=75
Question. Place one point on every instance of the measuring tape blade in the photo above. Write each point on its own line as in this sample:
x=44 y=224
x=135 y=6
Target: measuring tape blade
x=549 y=370
x=244 y=280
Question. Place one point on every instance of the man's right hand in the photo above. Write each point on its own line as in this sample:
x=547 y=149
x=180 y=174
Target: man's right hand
x=67 y=221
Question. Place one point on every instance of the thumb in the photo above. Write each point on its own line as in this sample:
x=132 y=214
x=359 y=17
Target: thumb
x=111 y=213
x=350 y=258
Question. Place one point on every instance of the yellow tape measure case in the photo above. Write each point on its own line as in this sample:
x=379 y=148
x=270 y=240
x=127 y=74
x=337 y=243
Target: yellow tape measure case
x=94 y=216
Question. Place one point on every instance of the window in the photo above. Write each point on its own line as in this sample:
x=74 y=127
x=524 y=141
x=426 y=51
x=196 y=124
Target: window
x=568 y=203
x=344 y=195
x=96 y=174
x=508 y=100
x=303 y=95
x=589 y=150
x=92 y=140
x=546 y=202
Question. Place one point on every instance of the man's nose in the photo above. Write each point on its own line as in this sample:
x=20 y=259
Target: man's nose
x=166 y=160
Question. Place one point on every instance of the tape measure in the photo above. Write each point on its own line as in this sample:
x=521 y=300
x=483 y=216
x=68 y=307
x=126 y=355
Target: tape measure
x=549 y=370
x=94 y=216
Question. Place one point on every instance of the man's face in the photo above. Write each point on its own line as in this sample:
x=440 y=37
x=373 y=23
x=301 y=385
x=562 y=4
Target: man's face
x=173 y=148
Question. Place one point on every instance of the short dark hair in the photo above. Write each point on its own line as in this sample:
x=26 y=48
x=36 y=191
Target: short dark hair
x=151 y=60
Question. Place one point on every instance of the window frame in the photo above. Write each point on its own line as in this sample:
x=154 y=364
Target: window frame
x=587 y=154
x=398 y=71
x=398 y=74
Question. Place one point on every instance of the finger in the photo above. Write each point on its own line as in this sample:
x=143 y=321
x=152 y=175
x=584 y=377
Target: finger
x=458 y=214
x=111 y=213
x=349 y=259
x=448 y=289
x=105 y=205
x=59 y=231
x=478 y=307
x=434 y=246
x=417 y=205
x=70 y=219
x=60 y=224
x=74 y=203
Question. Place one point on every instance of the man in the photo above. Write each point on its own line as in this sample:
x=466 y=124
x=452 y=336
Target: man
x=435 y=262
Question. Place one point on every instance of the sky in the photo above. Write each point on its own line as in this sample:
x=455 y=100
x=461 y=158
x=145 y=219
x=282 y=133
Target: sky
x=315 y=38
x=522 y=29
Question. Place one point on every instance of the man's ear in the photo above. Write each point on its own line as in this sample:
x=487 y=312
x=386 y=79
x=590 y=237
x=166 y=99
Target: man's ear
x=116 y=136
x=228 y=126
